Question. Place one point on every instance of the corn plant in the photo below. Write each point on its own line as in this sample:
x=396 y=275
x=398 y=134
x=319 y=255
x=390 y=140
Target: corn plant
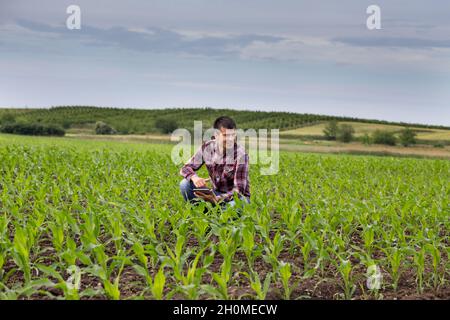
x=248 y=244
x=260 y=288
x=369 y=237
x=433 y=250
x=21 y=251
x=395 y=257
x=221 y=292
x=104 y=271
x=229 y=240
x=419 y=260
x=69 y=286
x=345 y=269
x=273 y=249
x=176 y=258
x=192 y=278
x=285 y=275
x=155 y=284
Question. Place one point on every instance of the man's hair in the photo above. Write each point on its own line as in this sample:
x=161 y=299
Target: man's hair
x=224 y=122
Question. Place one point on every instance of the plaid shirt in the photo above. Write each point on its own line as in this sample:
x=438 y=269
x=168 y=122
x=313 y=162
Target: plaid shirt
x=228 y=171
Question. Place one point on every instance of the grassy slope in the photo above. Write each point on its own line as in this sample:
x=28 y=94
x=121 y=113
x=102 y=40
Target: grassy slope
x=143 y=121
x=363 y=128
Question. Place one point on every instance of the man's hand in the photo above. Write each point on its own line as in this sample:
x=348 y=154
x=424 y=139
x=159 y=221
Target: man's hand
x=212 y=198
x=199 y=182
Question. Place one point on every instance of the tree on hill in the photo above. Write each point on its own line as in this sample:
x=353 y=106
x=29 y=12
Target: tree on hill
x=166 y=125
x=345 y=133
x=331 y=130
x=384 y=137
x=7 y=118
x=103 y=128
x=407 y=137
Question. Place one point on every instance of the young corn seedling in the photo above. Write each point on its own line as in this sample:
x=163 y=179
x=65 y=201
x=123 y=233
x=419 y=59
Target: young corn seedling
x=21 y=251
x=419 y=261
x=263 y=223
x=176 y=259
x=292 y=217
x=345 y=269
x=229 y=240
x=104 y=271
x=285 y=275
x=373 y=276
x=146 y=220
x=260 y=289
x=157 y=287
x=433 y=250
x=71 y=286
x=201 y=226
x=90 y=229
x=309 y=244
x=273 y=249
x=5 y=243
x=2 y=262
x=191 y=280
x=21 y=291
x=139 y=252
x=221 y=292
x=70 y=254
x=227 y=246
x=111 y=288
x=368 y=237
x=57 y=236
x=248 y=244
x=395 y=257
x=157 y=284
x=116 y=228
x=322 y=254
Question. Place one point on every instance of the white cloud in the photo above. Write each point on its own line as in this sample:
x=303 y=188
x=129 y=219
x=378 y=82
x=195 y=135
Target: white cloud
x=322 y=50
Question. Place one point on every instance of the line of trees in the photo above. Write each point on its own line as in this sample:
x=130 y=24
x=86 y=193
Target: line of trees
x=32 y=129
x=340 y=132
x=345 y=133
x=136 y=121
x=9 y=124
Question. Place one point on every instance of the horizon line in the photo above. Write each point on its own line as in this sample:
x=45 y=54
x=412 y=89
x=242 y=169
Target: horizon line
x=233 y=109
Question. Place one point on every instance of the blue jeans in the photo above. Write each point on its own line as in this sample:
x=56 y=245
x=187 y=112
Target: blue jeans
x=187 y=191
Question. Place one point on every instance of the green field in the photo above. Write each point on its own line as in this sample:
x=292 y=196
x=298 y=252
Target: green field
x=83 y=219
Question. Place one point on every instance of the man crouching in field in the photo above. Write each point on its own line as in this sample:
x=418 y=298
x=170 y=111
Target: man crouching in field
x=227 y=165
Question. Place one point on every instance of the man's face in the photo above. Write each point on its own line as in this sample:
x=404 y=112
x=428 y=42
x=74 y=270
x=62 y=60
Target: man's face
x=226 y=138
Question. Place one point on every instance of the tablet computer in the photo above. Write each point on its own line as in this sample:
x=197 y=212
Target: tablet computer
x=203 y=190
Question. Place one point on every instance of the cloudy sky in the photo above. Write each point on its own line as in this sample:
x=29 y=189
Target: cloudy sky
x=293 y=55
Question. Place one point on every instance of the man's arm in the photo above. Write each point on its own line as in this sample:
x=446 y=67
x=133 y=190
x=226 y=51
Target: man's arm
x=194 y=163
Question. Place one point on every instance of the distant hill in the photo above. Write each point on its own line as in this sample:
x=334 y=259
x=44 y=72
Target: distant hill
x=423 y=135
x=136 y=121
